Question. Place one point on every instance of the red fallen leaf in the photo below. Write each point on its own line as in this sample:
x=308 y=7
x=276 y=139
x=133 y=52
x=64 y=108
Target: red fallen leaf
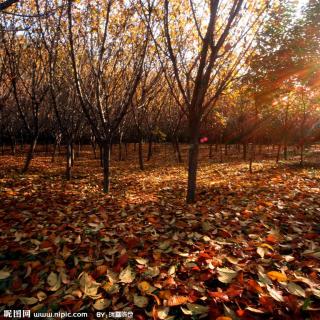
x=68 y=302
x=122 y=261
x=196 y=268
x=240 y=277
x=224 y=233
x=16 y=284
x=91 y=252
x=205 y=276
x=181 y=224
x=272 y=238
x=233 y=292
x=246 y=213
x=222 y=296
x=169 y=282
x=35 y=279
x=292 y=302
x=165 y=294
x=267 y=303
x=34 y=265
x=76 y=307
x=102 y=270
x=193 y=296
x=73 y=273
x=15 y=264
x=214 y=312
x=153 y=220
x=46 y=244
x=132 y=242
x=254 y=286
x=8 y=299
x=240 y=312
x=204 y=255
x=311 y=236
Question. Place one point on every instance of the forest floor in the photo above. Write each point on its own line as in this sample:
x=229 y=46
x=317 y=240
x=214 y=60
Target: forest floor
x=248 y=249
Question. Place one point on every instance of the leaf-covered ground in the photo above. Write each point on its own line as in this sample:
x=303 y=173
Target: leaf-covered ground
x=248 y=249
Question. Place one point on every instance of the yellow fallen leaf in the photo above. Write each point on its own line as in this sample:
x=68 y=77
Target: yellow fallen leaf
x=265 y=245
x=275 y=275
x=144 y=286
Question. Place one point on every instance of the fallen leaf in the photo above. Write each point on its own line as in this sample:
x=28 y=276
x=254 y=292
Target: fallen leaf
x=101 y=304
x=140 y=301
x=127 y=275
x=177 y=300
x=275 y=275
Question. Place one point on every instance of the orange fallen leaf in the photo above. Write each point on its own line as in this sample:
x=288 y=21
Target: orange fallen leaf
x=254 y=286
x=272 y=238
x=222 y=296
x=102 y=270
x=177 y=300
x=275 y=275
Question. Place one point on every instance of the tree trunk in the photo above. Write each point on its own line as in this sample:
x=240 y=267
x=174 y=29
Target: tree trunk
x=72 y=154
x=106 y=167
x=285 y=151
x=69 y=161
x=244 y=151
x=179 y=156
x=194 y=129
x=126 y=148
x=54 y=151
x=210 y=151
x=278 y=153
x=302 y=154
x=149 y=149
x=101 y=156
x=30 y=154
x=252 y=156
x=192 y=171
x=94 y=149
x=120 y=156
x=140 y=151
x=13 y=146
x=79 y=149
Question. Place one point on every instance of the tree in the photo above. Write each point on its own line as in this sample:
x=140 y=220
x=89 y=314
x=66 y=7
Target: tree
x=113 y=43
x=204 y=59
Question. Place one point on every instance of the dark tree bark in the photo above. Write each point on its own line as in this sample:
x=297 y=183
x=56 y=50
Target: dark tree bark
x=193 y=160
x=210 y=151
x=285 y=151
x=13 y=145
x=106 y=167
x=176 y=148
x=30 y=154
x=278 y=153
x=252 y=156
x=302 y=154
x=140 y=151
x=244 y=151
x=69 y=161
x=149 y=149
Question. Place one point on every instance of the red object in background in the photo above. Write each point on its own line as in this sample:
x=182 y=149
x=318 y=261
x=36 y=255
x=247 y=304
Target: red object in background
x=203 y=140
